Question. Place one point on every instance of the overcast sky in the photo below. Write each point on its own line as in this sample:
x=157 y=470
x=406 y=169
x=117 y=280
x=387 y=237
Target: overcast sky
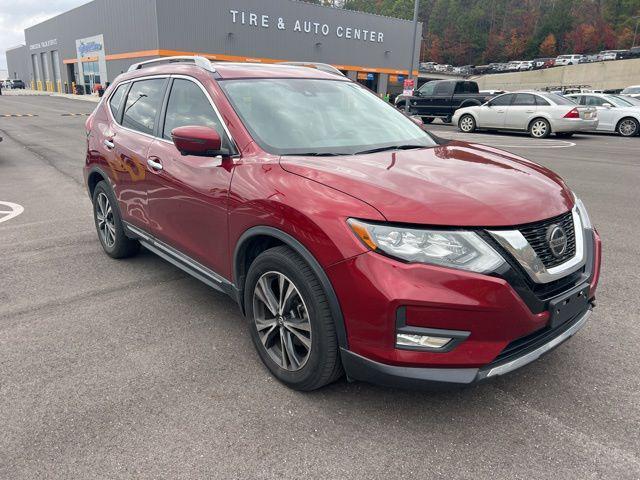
x=16 y=15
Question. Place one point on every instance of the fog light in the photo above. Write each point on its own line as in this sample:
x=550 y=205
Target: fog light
x=407 y=340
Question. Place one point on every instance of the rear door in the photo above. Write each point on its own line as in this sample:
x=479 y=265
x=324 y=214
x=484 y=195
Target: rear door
x=492 y=114
x=606 y=115
x=521 y=111
x=442 y=98
x=189 y=197
x=128 y=139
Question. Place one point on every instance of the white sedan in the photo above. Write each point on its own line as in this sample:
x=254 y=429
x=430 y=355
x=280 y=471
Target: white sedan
x=539 y=113
x=616 y=113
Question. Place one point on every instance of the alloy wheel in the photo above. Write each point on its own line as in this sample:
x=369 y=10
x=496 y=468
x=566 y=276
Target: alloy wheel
x=539 y=129
x=282 y=321
x=106 y=222
x=466 y=124
x=628 y=128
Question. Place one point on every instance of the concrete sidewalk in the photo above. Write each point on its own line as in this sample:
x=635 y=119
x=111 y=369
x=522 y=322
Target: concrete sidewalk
x=25 y=92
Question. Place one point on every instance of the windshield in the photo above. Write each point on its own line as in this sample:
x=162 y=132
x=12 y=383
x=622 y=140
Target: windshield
x=310 y=116
x=629 y=90
x=617 y=101
x=633 y=101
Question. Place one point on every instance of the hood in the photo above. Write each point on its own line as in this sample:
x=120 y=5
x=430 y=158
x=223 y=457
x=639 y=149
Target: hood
x=456 y=184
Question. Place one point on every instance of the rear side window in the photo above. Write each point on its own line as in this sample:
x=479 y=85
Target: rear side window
x=116 y=101
x=142 y=105
x=595 y=101
x=442 y=88
x=188 y=105
x=541 y=102
x=502 y=100
x=524 y=99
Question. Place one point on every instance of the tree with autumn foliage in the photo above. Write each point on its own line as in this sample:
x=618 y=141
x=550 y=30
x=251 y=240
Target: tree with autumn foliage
x=548 y=47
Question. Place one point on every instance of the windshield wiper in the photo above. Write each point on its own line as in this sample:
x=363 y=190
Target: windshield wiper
x=392 y=147
x=314 y=154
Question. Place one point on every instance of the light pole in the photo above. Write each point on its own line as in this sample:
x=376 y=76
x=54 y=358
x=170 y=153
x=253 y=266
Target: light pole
x=413 y=48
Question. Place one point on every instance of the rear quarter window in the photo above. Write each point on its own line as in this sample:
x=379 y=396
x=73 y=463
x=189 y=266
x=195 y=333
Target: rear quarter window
x=115 y=102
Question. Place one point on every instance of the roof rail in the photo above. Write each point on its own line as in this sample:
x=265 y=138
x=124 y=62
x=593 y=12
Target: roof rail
x=324 y=67
x=198 y=60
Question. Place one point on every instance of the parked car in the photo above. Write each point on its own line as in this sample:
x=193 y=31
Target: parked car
x=513 y=66
x=607 y=55
x=573 y=59
x=428 y=66
x=631 y=53
x=352 y=240
x=441 y=98
x=592 y=58
x=15 y=83
x=443 y=68
x=632 y=91
x=615 y=113
x=526 y=65
x=538 y=113
x=544 y=63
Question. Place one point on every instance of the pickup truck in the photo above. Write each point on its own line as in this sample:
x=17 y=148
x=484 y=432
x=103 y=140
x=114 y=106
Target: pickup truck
x=441 y=98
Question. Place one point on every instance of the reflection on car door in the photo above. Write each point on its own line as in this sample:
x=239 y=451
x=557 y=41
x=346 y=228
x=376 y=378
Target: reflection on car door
x=129 y=139
x=189 y=198
x=492 y=114
x=521 y=111
x=606 y=115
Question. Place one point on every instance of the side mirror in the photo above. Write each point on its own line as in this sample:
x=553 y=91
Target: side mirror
x=607 y=105
x=199 y=141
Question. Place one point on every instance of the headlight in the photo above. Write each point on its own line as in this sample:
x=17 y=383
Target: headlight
x=462 y=249
x=582 y=211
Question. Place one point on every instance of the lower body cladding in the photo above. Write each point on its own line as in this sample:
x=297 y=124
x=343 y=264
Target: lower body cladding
x=422 y=326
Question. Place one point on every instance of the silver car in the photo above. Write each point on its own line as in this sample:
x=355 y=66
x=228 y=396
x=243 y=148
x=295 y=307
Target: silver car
x=539 y=113
x=616 y=113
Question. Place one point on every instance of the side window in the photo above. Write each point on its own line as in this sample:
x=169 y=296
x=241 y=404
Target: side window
x=541 y=102
x=595 y=101
x=115 y=101
x=188 y=105
x=524 y=99
x=442 y=88
x=427 y=88
x=142 y=105
x=502 y=100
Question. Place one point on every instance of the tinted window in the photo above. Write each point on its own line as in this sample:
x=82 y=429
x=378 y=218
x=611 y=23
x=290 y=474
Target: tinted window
x=541 y=101
x=443 y=88
x=116 y=100
x=427 y=88
x=502 y=100
x=188 y=105
x=560 y=100
x=142 y=105
x=524 y=99
x=466 y=87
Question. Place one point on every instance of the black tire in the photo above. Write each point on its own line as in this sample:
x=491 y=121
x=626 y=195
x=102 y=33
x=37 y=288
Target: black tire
x=565 y=135
x=539 y=128
x=427 y=119
x=446 y=120
x=117 y=245
x=467 y=123
x=628 y=127
x=322 y=365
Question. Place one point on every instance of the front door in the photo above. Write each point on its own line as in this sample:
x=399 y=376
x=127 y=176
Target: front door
x=521 y=112
x=606 y=115
x=189 y=196
x=492 y=114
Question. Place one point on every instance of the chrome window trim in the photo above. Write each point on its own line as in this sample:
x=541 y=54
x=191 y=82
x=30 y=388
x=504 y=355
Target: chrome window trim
x=517 y=245
x=184 y=77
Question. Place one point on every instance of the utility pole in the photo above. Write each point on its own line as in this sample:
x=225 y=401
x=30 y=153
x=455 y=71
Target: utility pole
x=413 y=49
x=637 y=18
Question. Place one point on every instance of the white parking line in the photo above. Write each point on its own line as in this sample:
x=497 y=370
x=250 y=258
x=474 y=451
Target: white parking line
x=9 y=210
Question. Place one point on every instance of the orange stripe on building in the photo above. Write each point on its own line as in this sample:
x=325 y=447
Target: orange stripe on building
x=232 y=58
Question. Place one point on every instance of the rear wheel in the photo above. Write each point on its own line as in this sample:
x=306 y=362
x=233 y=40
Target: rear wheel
x=108 y=222
x=290 y=321
x=446 y=119
x=467 y=123
x=539 y=128
x=628 y=127
x=427 y=119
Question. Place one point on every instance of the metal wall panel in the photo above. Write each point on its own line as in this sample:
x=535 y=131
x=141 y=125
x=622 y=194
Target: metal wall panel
x=18 y=63
x=207 y=26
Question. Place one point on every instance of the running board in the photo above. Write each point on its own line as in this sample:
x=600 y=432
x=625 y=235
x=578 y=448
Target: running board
x=183 y=262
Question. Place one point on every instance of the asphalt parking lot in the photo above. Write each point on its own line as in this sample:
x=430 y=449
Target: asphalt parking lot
x=131 y=369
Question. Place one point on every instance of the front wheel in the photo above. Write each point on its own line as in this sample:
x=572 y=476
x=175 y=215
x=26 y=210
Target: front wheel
x=628 y=127
x=467 y=123
x=290 y=321
x=539 y=128
x=427 y=119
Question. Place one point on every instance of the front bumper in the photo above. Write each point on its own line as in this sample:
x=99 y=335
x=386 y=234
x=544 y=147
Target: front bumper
x=364 y=369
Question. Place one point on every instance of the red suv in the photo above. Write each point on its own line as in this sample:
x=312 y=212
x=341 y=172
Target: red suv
x=353 y=240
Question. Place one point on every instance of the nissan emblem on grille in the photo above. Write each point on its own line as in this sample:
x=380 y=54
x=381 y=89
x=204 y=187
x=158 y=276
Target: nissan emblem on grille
x=557 y=240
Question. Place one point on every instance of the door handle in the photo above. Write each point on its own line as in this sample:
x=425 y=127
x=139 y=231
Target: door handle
x=154 y=163
x=109 y=144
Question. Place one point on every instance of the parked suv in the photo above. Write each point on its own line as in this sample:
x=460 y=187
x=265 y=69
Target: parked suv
x=352 y=239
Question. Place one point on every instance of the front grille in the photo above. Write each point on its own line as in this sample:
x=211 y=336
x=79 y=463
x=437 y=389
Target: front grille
x=536 y=235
